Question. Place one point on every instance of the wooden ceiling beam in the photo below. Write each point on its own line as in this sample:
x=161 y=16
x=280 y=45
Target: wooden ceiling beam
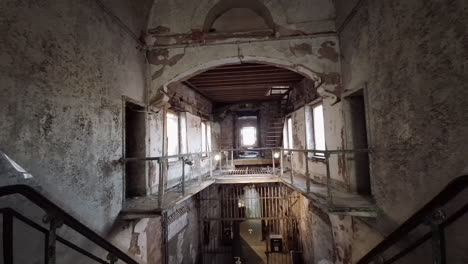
x=240 y=83
x=243 y=91
x=213 y=73
x=248 y=81
x=236 y=87
x=243 y=82
x=246 y=76
x=243 y=66
x=243 y=99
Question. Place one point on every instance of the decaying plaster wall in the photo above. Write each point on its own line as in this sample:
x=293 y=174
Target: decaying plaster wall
x=325 y=238
x=316 y=56
x=196 y=108
x=411 y=57
x=334 y=127
x=65 y=67
x=182 y=98
x=143 y=238
x=304 y=17
x=183 y=232
x=189 y=61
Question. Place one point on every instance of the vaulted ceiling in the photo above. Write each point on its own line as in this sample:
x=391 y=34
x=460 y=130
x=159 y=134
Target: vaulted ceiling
x=242 y=82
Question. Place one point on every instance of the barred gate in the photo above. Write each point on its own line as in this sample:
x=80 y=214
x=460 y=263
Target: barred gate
x=224 y=209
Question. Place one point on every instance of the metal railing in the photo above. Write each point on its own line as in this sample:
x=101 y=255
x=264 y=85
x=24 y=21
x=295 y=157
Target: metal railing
x=55 y=218
x=222 y=160
x=185 y=159
x=433 y=216
x=322 y=155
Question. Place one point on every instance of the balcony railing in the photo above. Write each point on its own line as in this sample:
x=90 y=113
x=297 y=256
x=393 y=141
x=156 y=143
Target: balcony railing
x=55 y=218
x=433 y=215
x=279 y=162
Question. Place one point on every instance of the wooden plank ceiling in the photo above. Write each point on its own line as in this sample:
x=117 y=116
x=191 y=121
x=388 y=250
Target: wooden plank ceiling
x=242 y=82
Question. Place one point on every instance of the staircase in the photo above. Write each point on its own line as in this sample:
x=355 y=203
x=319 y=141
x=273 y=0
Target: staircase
x=274 y=133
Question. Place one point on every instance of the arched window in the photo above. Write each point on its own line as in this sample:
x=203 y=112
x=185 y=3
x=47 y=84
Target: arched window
x=229 y=16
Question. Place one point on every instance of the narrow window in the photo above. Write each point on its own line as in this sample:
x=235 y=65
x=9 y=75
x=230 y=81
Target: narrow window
x=319 y=129
x=183 y=133
x=290 y=134
x=206 y=137
x=172 y=120
x=203 y=135
x=248 y=136
x=309 y=120
x=287 y=134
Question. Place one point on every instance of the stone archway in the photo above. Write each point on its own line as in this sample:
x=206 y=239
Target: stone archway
x=306 y=72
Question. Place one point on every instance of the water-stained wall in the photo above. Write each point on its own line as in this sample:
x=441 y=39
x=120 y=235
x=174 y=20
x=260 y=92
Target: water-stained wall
x=65 y=67
x=411 y=57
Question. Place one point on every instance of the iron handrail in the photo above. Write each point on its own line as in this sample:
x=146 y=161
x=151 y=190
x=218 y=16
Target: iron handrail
x=55 y=211
x=157 y=158
x=455 y=187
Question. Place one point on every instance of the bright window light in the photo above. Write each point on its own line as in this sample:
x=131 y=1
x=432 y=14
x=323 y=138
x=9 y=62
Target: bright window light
x=203 y=136
x=172 y=134
x=319 y=128
x=249 y=136
x=290 y=134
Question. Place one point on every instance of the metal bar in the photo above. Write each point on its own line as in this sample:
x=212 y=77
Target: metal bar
x=412 y=247
x=221 y=162
x=234 y=149
x=448 y=193
x=161 y=183
x=427 y=236
x=273 y=159
x=232 y=158
x=54 y=223
x=338 y=151
x=183 y=176
x=307 y=172
x=210 y=156
x=281 y=162
x=42 y=202
x=292 y=168
x=7 y=237
x=200 y=172
x=45 y=232
x=329 y=190
x=438 y=237
x=46 y=245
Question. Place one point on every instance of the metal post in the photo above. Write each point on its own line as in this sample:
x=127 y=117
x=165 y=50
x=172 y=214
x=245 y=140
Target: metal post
x=273 y=159
x=161 y=182
x=292 y=169
x=306 y=154
x=438 y=236
x=200 y=172
x=281 y=162
x=329 y=191
x=210 y=156
x=7 y=237
x=220 y=162
x=112 y=258
x=232 y=158
x=183 y=176
x=54 y=223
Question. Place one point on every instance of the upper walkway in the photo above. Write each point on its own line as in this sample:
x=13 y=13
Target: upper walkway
x=333 y=198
